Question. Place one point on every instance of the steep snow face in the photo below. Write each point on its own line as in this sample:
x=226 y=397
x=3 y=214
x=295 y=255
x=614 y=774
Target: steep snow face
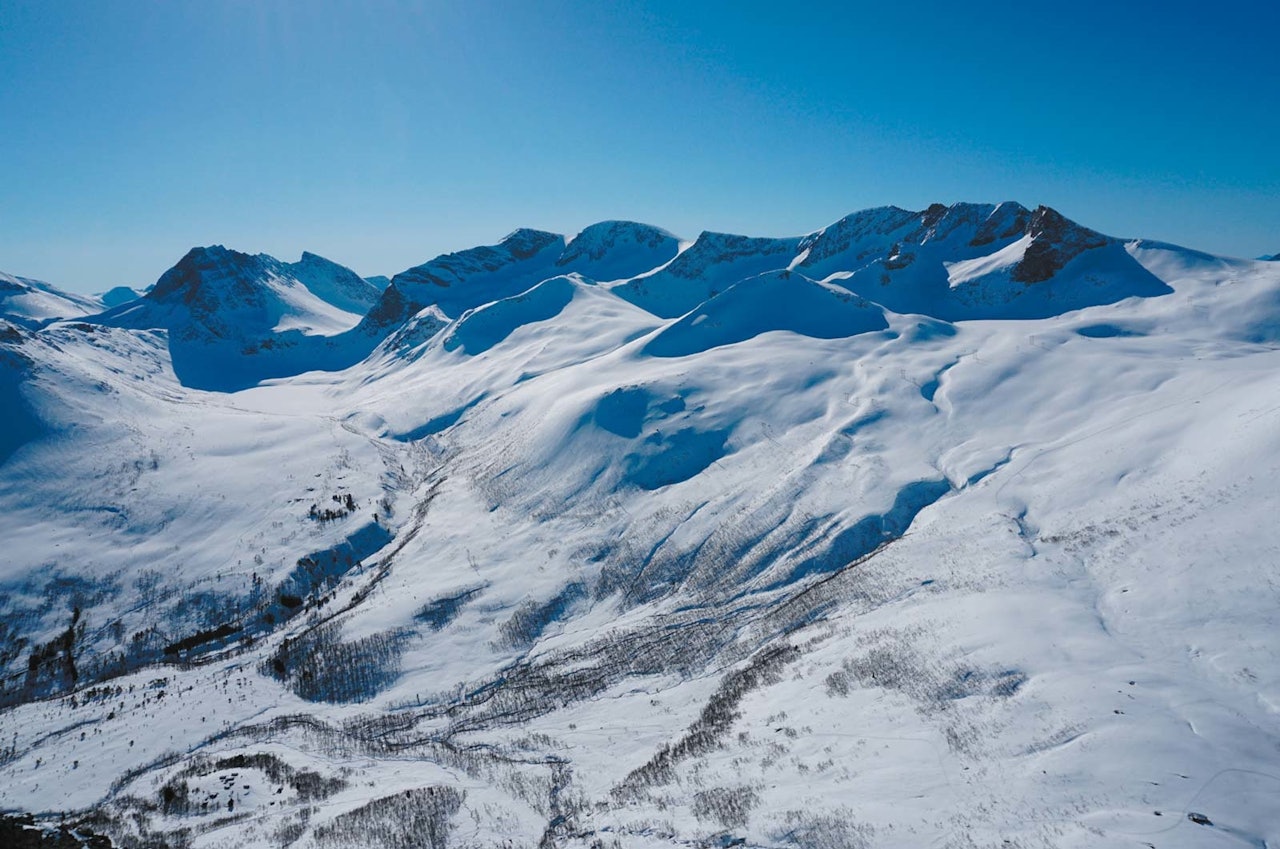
x=850 y=242
x=32 y=303
x=617 y=250
x=791 y=568
x=713 y=263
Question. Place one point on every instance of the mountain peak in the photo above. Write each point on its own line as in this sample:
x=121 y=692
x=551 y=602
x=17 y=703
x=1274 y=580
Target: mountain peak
x=201 y=266
x=459 y=281
x=526 y=242
x=616 y=250
x=335 y=284
x=1055 y=241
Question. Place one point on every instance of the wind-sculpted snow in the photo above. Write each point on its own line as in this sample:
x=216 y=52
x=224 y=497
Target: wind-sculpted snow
x=948 y=527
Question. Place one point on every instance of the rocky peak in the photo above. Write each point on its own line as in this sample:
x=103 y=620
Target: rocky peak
x=715 y=248
x=1007 y=220
x=1055 y=241
x=206 y=273
x=863 y=233
x=596 y=241
x=525 y=242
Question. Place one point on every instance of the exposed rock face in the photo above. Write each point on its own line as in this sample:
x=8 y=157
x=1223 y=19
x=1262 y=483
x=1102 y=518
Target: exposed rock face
x=1007 y=221
x=210 y=281
x=1055 y=241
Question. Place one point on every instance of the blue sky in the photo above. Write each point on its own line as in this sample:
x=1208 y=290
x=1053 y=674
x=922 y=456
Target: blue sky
x=382 y=134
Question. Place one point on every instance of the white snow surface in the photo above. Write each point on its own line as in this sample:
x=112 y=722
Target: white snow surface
x=717 y=552
x=33 y=302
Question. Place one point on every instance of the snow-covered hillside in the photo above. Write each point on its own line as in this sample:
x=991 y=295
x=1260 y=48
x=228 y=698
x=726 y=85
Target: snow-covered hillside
x=950 y=527
x=31 y=303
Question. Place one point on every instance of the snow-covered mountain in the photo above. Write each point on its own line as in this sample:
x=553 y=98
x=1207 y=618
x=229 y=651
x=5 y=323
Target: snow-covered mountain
x=118 y=295
x=949 y=527
x=31 y=303
x=234 y=319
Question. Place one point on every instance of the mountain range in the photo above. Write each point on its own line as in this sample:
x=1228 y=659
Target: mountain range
x=946 y=527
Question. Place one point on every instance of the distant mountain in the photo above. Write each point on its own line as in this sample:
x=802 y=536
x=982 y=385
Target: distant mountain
x=32 y=303
x=378 y=281
x=120 y=295
x=711 y=264
x=616 y=250
x=457 y=282
x=234 y=319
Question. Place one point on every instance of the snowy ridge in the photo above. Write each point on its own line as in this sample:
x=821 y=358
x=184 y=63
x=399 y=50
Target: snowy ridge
x=710 y=265
x=460 y=281
x=615 y=250
x=32 y=303
x=950 y=527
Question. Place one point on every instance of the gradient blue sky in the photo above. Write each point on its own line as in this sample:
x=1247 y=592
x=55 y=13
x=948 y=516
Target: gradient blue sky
x=382 y=134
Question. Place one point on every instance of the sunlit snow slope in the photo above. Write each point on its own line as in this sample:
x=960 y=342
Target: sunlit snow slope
x=940 y=528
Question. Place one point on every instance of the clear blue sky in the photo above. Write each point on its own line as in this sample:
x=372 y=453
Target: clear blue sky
x=382 y=134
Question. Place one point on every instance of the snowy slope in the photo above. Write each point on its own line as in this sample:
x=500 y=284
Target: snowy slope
x=32 y=303
x=740 y=553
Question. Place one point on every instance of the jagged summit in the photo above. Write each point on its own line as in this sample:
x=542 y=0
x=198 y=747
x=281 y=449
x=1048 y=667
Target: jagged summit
x=225 y=294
